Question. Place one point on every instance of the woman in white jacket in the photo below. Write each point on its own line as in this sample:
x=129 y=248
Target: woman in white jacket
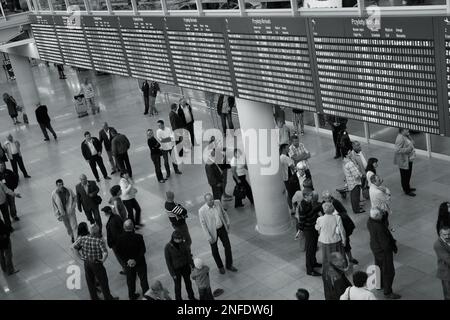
x=331 y=233
x=128 y=196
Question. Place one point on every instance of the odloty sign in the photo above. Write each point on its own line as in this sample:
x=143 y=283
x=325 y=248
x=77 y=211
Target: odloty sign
x=322 y=4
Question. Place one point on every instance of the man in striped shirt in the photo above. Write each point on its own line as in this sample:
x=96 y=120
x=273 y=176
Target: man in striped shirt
x=177 y=216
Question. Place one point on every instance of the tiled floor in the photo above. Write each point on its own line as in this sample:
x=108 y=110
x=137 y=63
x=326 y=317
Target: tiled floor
x=269 y=267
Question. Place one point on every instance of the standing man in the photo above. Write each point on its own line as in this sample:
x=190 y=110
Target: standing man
x=166 y=138
x=105 y=137
x=63 y=203
x=383 y=247
x=338 y=124
x=44 y=121
x=11 y=180
x=154 y=88
x=187 y=118
x=353 y=178
x=177 y=127
x=12 y=148
x=224 y=109
x=177 y=216
x=380 y=196
x=114 y=229
x=442 y=249
x=89 y=94
x=404 y=157
x=131 y=250
x=146 y=93
x=4 y=208
x=92 y=250
x=119 y=148
x=216 y=224
x=299 y=126
x=91 y=148
x=88 y=200
x=60 y=68
x=155 y=154
x=215 y=176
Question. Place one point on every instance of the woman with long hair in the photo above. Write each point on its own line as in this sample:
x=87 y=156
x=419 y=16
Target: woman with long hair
x=371 y=169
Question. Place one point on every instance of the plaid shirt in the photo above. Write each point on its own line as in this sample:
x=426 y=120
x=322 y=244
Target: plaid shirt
x=92 y=248
x=352 y=174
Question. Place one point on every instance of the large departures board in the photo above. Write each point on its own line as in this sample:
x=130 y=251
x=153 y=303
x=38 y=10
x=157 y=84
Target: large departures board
x=45 y=36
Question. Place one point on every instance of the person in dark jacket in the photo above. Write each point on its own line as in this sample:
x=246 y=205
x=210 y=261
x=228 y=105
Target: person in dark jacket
x=338 y=124
x=146 y=94
x=177 y=127
x=11 y=180
x=442 y=249
x=177 y=216
x=91 y=148
x=308 y=212
x=155 y=154
x=114 y=229
x=179 y=262
x=383 y=247
x=105 y=137
x=443 y=216
x=224 y=109
x=119 y=147
x=3 y=156
x=131 y=249
x=334 y=280
x=11 y=104
x=5 y=250
x=60 y=68
x=88 y=200
x=215 y=177
x=44 y=121
x=187 y=118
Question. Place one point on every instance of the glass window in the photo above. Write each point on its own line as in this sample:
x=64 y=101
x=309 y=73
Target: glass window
x=43 y=5
x=271 y=4
x=121 y=5
x=389 y=134
x=59 y=5
x=78 y=3
x=148 y=4
x=440 y=144
x=15 y=6
x=330 y=3
x=399 y=3
x=219 y=4
x=98 y=5
x=181 y=4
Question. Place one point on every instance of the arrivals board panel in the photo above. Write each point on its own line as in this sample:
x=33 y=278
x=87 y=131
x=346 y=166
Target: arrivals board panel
x=385 y=76
x=105 y=44
x=146 y=49
x=73 y=44
x=271 y=61
x=199 y=54
x=45 y=36
x=444 y=23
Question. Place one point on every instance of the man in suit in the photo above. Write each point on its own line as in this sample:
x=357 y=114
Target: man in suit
x=131 y=249
x=187 y=118
x=44 y=120
x=177 y=127
x=146 y=93
x=215 y=176
x=91 y=148
x=11 y=180
x=105 y=137
x=114 y=228
x=338 y=124
x=119 y=148
x=88 y=200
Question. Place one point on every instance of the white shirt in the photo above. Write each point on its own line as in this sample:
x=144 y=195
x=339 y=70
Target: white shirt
x=92 y=148
x=108 y=134
x=239 y=164
x=330 y=229
x=12 y=147
x=162 y=134
x=355 y=293
x=368 y=175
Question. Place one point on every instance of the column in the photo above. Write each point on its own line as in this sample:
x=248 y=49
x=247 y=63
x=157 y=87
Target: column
x=25 y=82
x=260 y=143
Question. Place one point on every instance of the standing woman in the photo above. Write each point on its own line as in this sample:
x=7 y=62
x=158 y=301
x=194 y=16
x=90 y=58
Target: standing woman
x=12 y=107
x=404 y=157
x=129 y=198
x=371 y=169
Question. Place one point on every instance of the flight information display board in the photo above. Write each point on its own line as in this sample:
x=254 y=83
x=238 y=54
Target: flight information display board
x=444 y=23
x=46 y=41
x=386 y=76
x=73 y=44
x=146 y=48
x=271 y=61
x=199 y=53
x=105 y=44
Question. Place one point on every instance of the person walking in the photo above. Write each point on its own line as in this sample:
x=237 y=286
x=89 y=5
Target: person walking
x=200 y=274
x=114 y=229
x=405 y=154
x=12 y=106
x=145 y=88
x=177 y=215
x=383 y=247
x=179 y=261
x=4 y=207
x=353 y=179
x=334 y=279
x=358 y=291
x=117 y=203
x=187 y=118
x=6 y=262
x=155 y=154
x=153 y=92
x=128 y=196
x=12 y=148
x=44 y=121
x=214 y=176
x=131 y=250
x=119 y=149
x=216 y=224
x=92 y=251
x=105 y=137
x=11 y=181
x=63 y=202
x=166 y=138
x=89 y=94
x=89 y=200
x=224 y=109
x=239 y=169
x=91 y=149
x=442 y=249
x=338 y=124
x=299 y=126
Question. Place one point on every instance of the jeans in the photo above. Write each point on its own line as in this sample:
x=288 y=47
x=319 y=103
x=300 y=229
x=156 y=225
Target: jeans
x=11 y=200
x=222 y=234
x=224 y=117
x=93 y=162
x=185 y=273
x=130 y=205
x=205 y=293
x=166 y=154
x=217 y=192
x=152 y=102
x=355 y=197
x=5 y=213
x=96 y=271
x=93 y=216
x=140 y=270
x=156 y=158
x=405 y=176
x=17 y=160
x=123 y=163
x=70 y=222
x=44 y=127
x=385 y=261
x=311 y=238
x=6 y=259
x=146 y=104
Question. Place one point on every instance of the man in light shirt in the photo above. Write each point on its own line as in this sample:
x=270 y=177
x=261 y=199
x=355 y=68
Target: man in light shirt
x=12 y=149
x=216 y=224
x=166 y=138
x=359 y=290
x=380 y=196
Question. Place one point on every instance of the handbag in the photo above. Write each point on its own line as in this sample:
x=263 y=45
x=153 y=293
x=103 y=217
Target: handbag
x=239 y=191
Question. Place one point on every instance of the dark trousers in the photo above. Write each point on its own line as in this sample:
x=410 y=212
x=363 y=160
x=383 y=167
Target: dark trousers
x=217 y=192
x=184 y=230
x=121 y=262
x=405 y=176
x=156 y=158
x=44 y=127
x=446 y=289
x=93 y=216
x=224 y=117
x=123 y=163
x=336 y=142
x=17 y=160
x=146 y=103
x=248 y=191
x=311 y=238
x=190 y=127
x=222 y=234
x=289 y=194
x=205 y=293
x=166 y=154
x=11 y=200
x=131 y=205
x=385 y=261
x=5 y=213
x=93 y=162
x=140 y=270
x=185 y=273
x=355 y=197
x=6 y=259
x=96 y=271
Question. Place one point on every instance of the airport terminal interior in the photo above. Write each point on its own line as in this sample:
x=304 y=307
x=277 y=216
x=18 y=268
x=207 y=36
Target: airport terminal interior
x=269 y=267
